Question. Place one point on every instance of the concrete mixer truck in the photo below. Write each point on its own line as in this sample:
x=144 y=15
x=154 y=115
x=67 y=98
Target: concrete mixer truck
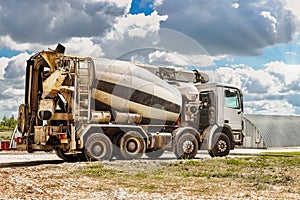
x=95 y=109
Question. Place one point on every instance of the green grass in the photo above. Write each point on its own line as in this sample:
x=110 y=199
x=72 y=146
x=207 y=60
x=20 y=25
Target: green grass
x=260 y=173
x=98 y=170
x=292 y=153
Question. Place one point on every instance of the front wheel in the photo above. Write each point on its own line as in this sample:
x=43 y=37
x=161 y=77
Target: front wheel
x=221 y=145
x=98 y=147
x=187 y=146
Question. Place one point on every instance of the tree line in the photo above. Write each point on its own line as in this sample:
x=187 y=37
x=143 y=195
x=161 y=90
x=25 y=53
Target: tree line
x=8 y=123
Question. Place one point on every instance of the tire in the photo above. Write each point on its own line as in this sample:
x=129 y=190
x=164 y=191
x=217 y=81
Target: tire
x=132 y=145
x=116 y=146
x=211 y=153
x=187 y=146
x=155 y=154
x=221 y=145
x=68 y=158
x=98 y=147
x=117 y=153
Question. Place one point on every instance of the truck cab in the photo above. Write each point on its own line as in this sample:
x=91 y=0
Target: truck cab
x=220 y=117
x=214 y=110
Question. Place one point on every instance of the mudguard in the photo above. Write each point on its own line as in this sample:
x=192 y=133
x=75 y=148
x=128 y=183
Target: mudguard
x=209 y=132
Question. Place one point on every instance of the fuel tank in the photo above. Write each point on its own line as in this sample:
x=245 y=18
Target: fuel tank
x=121 y=86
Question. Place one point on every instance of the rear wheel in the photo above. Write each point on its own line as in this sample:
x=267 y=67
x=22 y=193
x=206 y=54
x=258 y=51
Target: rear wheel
x=187 y=146
x=98 y=147
x=221 y=145
x=132 y=145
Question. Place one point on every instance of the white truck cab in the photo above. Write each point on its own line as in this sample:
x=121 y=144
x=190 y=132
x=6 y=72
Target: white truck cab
x=221 y=117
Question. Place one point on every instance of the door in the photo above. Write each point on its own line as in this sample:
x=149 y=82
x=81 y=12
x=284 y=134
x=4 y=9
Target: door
x=233 y=108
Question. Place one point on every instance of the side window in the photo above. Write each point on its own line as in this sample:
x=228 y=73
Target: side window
x=232 y=99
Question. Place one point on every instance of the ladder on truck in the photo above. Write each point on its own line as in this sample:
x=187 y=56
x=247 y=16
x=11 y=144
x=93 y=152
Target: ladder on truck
x=82 y=92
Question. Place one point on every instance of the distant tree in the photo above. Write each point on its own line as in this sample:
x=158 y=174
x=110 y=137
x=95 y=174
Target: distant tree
x=4 y=120
x=12 y=122
x=8 y=123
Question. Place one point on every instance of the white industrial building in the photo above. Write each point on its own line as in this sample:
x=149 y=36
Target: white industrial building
x=271 y=131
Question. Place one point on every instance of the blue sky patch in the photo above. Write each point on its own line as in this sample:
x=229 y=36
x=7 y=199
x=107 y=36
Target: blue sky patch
x=141 y=6
x=6 y=52
x=286 y=53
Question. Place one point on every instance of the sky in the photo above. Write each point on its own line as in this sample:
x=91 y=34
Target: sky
x=253 y=45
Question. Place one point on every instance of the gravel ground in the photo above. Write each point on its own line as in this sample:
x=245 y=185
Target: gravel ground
x=58 y=181
x=42 y=180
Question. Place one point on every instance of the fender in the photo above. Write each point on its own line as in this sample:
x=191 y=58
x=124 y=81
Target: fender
x=228 y=131
x=209 y=132
x=179 y=131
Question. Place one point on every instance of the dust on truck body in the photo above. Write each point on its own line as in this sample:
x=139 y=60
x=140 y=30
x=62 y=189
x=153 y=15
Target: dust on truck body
x=95 y=109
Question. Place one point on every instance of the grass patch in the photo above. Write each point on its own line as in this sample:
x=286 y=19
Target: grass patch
x=192 y=176
x=5 y=135
x=293 y=153
x=98 y=170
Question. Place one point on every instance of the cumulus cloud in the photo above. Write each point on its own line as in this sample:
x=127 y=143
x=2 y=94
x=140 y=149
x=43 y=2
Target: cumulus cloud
x=157 y=3
x=273 y=20
x=235 y=5
x=294 y=6
x=169 y=57
x=15 y=69
x=12 y=83
x=6 y=41
x=49 y=21
x=135 y=26
x=83 y=46
x=156 y=45
x=241 y=29
x=131 y=33
x=289 y=75
x=3 y=64
x=10 y=107
x=269 y=107
x=176 y=59
x=12 y=92
x=245 y=78
x=271 y=90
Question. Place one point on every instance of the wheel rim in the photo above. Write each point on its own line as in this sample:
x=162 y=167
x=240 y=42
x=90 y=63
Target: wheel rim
x=132 y=145
x=98 y=149
x=188 y=147
x=222 y=146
